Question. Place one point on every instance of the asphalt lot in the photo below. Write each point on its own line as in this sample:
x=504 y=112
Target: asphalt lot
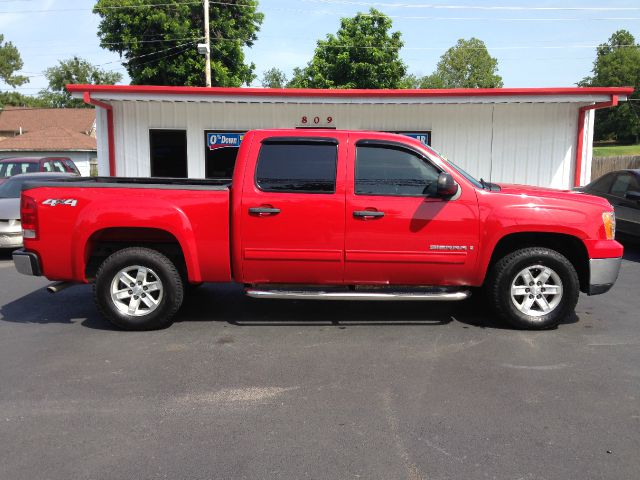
x=250 y=389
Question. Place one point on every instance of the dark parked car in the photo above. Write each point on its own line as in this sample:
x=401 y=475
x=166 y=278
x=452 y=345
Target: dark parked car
x=15 y=166
x=622 y=189
x=10 y=226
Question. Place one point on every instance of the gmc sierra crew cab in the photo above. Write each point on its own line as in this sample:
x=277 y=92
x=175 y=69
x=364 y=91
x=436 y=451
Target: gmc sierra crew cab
x=322 y=214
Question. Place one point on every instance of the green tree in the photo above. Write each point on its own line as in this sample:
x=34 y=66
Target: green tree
x=73 y=70
x=16 y=99
x=362 y=54
x=465 y=65
x=158 y=39
x=10 y=62
x=410 y=81
x=617 y=64
x=274 y=78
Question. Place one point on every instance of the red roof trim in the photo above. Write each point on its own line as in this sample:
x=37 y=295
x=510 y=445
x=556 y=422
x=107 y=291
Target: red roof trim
x=307 y=92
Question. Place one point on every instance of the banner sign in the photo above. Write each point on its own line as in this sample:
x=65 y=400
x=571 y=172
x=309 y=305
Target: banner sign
x=219 y=140
x=424 y=137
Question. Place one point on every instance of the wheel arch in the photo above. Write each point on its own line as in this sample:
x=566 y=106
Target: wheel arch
x=106 y=241
x=573 y=248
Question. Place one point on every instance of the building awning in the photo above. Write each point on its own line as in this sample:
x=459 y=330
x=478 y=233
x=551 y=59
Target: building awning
x=341 y=96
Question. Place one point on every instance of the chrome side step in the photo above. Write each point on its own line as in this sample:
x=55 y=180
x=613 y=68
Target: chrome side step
x=438 y=296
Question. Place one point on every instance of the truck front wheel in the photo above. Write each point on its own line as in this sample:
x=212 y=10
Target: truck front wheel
x=138 y=289
x=533 y=288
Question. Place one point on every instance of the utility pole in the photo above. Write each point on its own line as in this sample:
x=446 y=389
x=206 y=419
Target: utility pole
x=207 y=41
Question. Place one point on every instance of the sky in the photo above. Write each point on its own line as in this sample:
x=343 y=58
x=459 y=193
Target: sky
x=538 y=43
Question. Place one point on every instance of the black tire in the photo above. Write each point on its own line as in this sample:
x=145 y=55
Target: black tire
x=505 y=272
x=169 y=294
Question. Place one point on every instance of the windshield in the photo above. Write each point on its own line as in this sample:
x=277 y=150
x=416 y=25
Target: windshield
x=466 y=175
x=11 y=188
x=9 y=169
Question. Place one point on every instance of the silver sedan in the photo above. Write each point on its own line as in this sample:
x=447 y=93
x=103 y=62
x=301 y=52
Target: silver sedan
x=10 y=227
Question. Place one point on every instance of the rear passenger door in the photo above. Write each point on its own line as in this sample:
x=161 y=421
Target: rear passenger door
x=292 y=211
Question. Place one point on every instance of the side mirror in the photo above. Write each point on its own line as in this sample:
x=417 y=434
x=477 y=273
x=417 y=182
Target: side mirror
x=447 y=186
x=633 y=196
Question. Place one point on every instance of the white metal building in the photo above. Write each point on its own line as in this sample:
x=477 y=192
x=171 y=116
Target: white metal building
x=532 y=136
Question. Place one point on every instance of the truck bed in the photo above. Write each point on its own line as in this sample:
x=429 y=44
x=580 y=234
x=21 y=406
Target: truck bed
x=81 y=216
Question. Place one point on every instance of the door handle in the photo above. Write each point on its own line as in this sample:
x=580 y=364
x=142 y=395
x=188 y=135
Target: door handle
x=263 y=211
x=368 y=214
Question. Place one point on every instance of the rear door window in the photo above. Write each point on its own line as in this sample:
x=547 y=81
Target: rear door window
x=297 y=166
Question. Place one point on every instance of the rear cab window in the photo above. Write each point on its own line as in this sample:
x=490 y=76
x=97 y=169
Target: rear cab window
x=297 y=165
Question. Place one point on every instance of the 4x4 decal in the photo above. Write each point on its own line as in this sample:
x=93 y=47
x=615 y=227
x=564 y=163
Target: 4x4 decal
x=72 y=202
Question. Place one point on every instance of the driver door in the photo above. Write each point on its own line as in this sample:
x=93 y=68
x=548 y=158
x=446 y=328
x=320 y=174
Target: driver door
x=398 y=231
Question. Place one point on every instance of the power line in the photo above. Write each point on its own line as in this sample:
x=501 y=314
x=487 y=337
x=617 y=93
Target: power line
x=471 y=7
x=389 y=5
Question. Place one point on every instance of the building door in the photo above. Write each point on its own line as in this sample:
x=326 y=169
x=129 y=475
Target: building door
x=168 y=151
x=292 y=212
x=398 y=231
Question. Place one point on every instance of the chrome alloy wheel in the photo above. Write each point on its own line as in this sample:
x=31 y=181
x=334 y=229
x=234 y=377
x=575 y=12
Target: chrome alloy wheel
x=136 y=291
x=536 y=290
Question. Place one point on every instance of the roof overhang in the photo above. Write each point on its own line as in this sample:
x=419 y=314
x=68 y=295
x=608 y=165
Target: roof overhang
x=150 y=93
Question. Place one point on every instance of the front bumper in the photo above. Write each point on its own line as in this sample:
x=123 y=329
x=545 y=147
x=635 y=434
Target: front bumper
x=603 y=273
x=27 y=263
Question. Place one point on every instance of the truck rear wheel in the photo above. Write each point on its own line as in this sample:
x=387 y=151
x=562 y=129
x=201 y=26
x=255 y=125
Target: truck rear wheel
x=533 y=288
x=138 y=289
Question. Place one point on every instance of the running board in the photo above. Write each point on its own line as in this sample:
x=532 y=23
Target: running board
x=440 y=296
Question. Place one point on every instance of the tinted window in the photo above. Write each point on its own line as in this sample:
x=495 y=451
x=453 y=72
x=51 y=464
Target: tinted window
x=297 y=167
x=9 y=169
x=71 y=167
x=602 y=185
x=624 y=183
x=386 y=170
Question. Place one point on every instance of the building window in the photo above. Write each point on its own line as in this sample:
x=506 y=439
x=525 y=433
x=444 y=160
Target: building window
x=168 y=150
x=221 y=150
x=297 y=166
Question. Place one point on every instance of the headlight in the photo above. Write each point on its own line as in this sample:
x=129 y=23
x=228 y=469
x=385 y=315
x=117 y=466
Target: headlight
x=609 y=221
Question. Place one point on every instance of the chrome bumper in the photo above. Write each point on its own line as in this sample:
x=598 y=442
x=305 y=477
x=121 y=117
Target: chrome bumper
x=10 y=240
x=27 y=263
x=603 y=273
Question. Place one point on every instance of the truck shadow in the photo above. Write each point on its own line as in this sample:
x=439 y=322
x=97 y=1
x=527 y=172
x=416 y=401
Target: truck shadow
x=232 y=307
x=227 y=304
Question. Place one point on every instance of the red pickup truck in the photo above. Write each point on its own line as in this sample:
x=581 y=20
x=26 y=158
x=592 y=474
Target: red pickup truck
x=322 y=214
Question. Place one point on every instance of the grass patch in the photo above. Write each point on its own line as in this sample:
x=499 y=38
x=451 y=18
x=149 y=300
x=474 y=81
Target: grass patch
x=616 y=150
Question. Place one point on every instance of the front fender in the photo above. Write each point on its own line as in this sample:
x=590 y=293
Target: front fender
x=506 y=220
